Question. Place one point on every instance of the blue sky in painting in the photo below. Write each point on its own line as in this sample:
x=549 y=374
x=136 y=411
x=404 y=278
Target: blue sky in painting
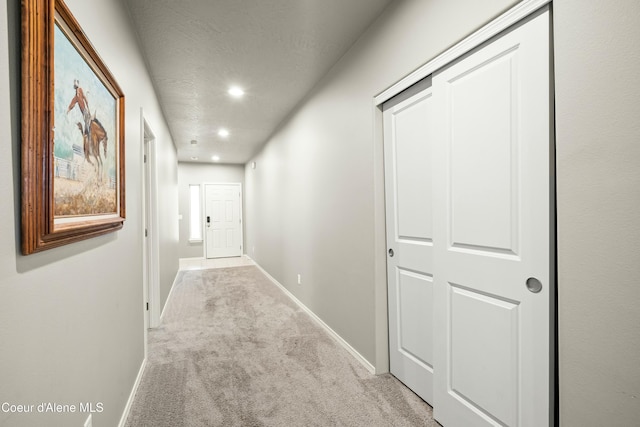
x=68 y=66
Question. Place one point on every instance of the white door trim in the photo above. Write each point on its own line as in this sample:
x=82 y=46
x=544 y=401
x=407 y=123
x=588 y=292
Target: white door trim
x=203 y=214
x=512 y=16
x=143 y=240
x=150 y=248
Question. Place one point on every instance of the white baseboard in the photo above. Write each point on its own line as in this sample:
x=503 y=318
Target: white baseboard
x=194 y=258
x=364 y=362
x=132 y=395
x=182 y=262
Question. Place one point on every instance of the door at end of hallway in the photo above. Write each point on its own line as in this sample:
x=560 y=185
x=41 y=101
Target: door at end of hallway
x=223 y=220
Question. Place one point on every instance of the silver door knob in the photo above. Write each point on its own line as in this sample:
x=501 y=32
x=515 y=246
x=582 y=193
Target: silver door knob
x=534 y=285
x=391 y=252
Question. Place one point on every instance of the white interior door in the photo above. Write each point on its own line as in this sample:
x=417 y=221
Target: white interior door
x=408 y=188
x=223 y=220
x=492 y=273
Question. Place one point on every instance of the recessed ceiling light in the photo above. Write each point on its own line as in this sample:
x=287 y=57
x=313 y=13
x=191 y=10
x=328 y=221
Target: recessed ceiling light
x=223 y=133
x=236 y=92
x=194 y=158
x=215 y=158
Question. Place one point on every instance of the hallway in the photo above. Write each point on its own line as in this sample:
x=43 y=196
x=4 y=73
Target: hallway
x=73 y=322
x=233 y=350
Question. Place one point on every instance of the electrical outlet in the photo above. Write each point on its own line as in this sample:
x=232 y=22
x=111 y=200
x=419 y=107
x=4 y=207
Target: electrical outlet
x=88 y=422
x=299 y=279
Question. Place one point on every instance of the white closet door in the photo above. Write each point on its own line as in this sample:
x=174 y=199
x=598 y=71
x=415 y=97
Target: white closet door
x=408 y=179
x=492 y=233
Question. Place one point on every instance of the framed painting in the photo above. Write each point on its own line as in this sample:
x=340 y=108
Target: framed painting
x=73 y=184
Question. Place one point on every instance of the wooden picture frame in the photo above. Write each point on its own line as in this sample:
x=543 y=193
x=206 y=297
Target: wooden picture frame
x=73 y=184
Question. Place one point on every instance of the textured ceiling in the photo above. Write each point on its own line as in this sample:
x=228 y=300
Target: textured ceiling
x=275 y=49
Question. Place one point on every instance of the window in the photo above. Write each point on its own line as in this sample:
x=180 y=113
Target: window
x=195 y=223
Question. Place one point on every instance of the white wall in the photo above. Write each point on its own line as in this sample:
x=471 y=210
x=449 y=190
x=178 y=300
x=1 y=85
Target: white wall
x=597 y=47
x=310 y=201
x=71 y=318
x=199 y=173
x=167 y=206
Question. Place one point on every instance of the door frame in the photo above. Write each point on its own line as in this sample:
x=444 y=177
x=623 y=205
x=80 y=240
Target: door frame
x=503 y=22
x=150 y=244
x=204 y=210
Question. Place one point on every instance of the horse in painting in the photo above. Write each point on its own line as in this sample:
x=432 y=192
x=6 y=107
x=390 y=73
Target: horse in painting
x=92 y=139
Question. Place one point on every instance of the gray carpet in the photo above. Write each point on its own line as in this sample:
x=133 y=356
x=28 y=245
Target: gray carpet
x=233 y=350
